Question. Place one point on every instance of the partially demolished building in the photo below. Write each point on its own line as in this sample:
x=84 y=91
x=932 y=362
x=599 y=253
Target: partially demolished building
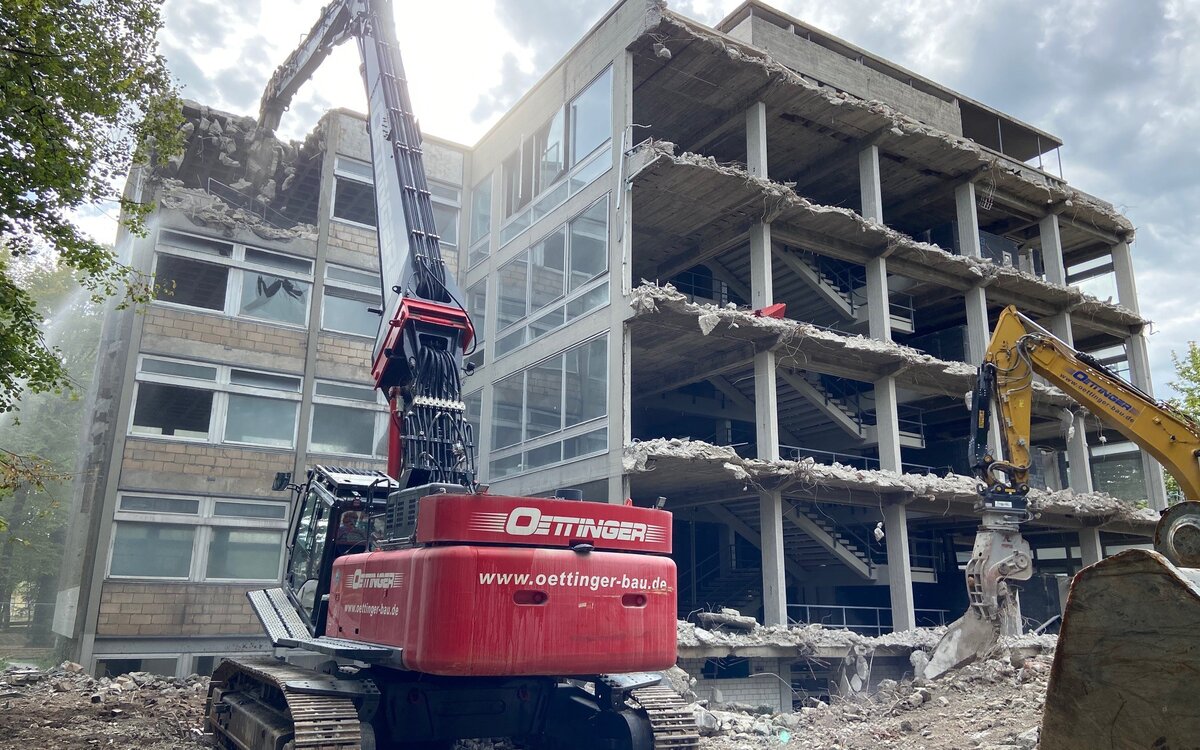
x=748 y=270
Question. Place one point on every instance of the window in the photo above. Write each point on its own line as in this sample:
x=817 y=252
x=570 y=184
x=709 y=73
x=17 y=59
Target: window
x=348 y=419
x=551 y=282
x=481 y=221
x=547 y=413
x=532 y=175
x=591 y=117
x=349 y=297
x=232 y=279
x=353 y=191
x=197 y=538
x=214 y=403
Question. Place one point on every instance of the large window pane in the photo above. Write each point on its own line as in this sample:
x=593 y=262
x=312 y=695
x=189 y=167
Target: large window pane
x=160 y=505
x=511 y=176
x=153 y=550
x=543 y=398
x=445 y=218
x=190 y=282
x=547 y=269
x=260 y=421
x=342 y=429
x=514 y=291
x=551 y=152
x=274 y=298
x=172 y=410
x=591 y=117
x=348 y=313
x=354 y=201
x=587 y=381
x=589 y=244
x=244 y=554
x=507 y=405
x=474 y=404
x=477 y=307
x=481 y=209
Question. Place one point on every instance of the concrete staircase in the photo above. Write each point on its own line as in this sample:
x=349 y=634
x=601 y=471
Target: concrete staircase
x=842 y=286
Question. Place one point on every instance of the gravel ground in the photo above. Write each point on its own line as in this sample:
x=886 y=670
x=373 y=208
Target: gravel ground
x=992 y=705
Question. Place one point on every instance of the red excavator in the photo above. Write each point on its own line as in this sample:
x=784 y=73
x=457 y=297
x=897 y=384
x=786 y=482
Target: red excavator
x=416 y=608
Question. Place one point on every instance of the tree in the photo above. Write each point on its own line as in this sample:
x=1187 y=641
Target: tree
x=1187 y=385
x=33 y=514
x=83 y=95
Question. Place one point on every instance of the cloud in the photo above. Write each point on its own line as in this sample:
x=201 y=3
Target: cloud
x=543 y=30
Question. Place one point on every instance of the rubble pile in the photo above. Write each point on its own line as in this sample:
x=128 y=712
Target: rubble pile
x=66 y=708
x=991 y=705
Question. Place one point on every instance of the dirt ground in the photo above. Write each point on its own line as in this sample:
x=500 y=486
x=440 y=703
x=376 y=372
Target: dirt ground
x=992 y=705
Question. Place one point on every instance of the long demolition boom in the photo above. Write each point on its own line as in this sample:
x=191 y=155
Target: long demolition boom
x=418 y=352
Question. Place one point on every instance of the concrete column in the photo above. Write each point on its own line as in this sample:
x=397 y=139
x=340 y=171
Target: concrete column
x=756 y=139
x=868 y=184
x=968 y=220
x=887 y=425
x=1139 y=365
x=1122 y=261
x=1090 y=548
x=1080 y=470
x=978 y=331
x=770 y=513
x=895 y=526
x=1056 y=272
x=770 y=503
x=785 y=686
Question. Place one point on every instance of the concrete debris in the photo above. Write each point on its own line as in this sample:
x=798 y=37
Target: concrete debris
x=728 y=620
x=807 y=639
x=780 y=202
x=928 y=488
x=797 y=338
x=65 y=707
x=662 y=23
x=243 y=174
x=207 y=210
x=990 y=705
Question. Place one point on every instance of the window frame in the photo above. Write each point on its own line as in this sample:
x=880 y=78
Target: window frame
x=342 y=289
x=564 y=433
x=221 y=386
x=237 y=266
x=379 y=407
x=204 y=521
x=340 y=172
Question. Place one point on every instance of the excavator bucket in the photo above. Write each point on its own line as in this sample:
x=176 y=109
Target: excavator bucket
x=968 y=638
x=1128 y=658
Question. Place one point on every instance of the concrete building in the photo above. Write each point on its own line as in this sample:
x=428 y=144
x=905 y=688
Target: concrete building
x=615 y=233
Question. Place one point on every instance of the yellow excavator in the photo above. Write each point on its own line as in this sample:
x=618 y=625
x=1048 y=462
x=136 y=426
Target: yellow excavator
x=1128 y=656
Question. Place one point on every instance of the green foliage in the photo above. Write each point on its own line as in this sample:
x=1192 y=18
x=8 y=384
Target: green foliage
x=83 y=93
x=1187 y=385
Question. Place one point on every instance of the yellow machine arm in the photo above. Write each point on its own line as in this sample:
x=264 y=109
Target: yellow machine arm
x=1020 y=348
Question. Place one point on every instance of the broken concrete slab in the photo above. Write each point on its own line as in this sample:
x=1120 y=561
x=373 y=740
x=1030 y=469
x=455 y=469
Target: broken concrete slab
x=693 y=467
x=747 y=68
x=671 y=185
x=798 y=346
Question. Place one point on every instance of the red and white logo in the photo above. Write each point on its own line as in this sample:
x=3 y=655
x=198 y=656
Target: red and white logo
x=531 y=521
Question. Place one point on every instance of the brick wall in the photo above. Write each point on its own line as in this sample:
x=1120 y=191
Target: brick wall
x=344 y=358
x=352 y=245
x=201 y=328
x=175 y=609
x=166 y=465
x=760 y=689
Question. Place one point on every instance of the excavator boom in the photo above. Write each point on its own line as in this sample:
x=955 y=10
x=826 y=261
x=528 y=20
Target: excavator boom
x=1137 y=608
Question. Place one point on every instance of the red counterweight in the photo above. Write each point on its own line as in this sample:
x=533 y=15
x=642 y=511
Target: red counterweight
x=517 y=586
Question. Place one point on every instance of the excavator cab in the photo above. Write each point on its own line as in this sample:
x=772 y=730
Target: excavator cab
x=335 y=516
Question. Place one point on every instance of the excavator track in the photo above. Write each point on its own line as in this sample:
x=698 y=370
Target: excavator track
x=318 y=722
x=671 y=721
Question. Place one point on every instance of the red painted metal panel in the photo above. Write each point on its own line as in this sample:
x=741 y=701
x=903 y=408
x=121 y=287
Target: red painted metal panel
x=478 y=610
x=544 y=522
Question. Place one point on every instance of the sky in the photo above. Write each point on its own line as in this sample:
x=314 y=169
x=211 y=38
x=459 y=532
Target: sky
x=1117 y=80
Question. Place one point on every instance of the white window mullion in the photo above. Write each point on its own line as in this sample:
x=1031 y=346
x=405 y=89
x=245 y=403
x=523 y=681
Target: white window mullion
x=220 y=406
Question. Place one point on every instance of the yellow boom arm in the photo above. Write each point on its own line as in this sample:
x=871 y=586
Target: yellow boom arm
x=1020 y=347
